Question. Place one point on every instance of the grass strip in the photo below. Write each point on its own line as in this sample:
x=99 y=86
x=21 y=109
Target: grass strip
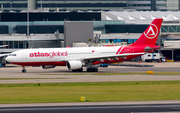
x=91 y=83
x=134 y=73
x=94 y=92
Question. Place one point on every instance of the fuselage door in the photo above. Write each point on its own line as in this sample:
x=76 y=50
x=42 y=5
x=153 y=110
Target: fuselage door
x=97 y=52
x=24 y=55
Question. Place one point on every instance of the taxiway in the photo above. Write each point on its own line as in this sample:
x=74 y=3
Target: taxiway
x=61 y=74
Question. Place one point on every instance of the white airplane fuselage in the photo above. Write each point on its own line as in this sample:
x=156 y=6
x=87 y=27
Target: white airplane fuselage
x=59 y=56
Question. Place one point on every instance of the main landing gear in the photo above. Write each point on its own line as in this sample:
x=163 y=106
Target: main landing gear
x=23 y=70
x=92 y=69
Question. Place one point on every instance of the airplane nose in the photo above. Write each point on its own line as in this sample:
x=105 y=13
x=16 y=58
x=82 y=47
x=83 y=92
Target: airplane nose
x=7 y=59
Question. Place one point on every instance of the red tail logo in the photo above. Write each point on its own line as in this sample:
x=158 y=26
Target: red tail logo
x=150 y=35
x=152 y=31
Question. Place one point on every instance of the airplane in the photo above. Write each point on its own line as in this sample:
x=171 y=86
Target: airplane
x=89 y=57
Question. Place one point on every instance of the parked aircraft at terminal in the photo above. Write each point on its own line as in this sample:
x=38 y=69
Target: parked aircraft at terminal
x=2 y=55
x=76 y=58
x=3 y=45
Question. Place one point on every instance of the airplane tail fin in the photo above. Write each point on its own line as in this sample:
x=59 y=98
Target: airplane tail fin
x=150 y=35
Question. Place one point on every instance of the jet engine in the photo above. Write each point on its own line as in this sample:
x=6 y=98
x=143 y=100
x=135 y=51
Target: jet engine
x=73 y=65
x=48 y=66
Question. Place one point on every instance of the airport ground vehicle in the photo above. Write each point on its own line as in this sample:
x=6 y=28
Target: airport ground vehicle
x=151 y=57
x=104 y=65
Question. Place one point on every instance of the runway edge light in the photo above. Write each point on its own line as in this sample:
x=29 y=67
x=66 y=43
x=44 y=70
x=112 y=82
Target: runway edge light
x=83 y=98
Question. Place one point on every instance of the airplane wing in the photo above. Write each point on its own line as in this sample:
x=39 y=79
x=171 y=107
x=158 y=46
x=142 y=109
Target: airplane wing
x=3 y=45
x=2 y=55
x=107 y=57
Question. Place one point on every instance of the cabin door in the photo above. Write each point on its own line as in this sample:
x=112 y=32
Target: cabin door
x=24 y=55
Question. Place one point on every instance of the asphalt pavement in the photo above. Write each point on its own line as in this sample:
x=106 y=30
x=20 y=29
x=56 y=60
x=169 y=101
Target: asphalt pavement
x=131 y=108
x=61 y=74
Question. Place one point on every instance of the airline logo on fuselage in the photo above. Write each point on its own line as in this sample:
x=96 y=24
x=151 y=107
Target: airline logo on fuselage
x=152 y=32
x=46 y=54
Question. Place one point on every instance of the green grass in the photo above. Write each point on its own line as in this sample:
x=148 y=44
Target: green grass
x=91 y=83
x=93 y=91
x=134 y=73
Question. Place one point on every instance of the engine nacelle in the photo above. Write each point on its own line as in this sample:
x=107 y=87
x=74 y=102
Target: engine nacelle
x=48 y=66
x=73 y=65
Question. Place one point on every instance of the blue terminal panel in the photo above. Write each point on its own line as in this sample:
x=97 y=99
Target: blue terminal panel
x=129 y=41
x=40 y=27
x=170 y=28
x=125 y=28
x=101 y=25
x=51 y=16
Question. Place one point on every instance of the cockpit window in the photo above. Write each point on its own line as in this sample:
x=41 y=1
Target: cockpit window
x=12 y=54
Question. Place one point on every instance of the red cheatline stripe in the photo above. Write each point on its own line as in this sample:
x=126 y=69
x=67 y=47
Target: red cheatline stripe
x=40 y=63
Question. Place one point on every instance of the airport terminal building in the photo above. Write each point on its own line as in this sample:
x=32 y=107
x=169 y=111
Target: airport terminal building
x=62 y=28
x=86 y=5
x=58 y=29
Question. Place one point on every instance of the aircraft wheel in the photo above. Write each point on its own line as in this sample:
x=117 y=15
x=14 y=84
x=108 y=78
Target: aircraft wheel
x=95 y=70
x=89 y=70
x=74 y=70
x=24 y=70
